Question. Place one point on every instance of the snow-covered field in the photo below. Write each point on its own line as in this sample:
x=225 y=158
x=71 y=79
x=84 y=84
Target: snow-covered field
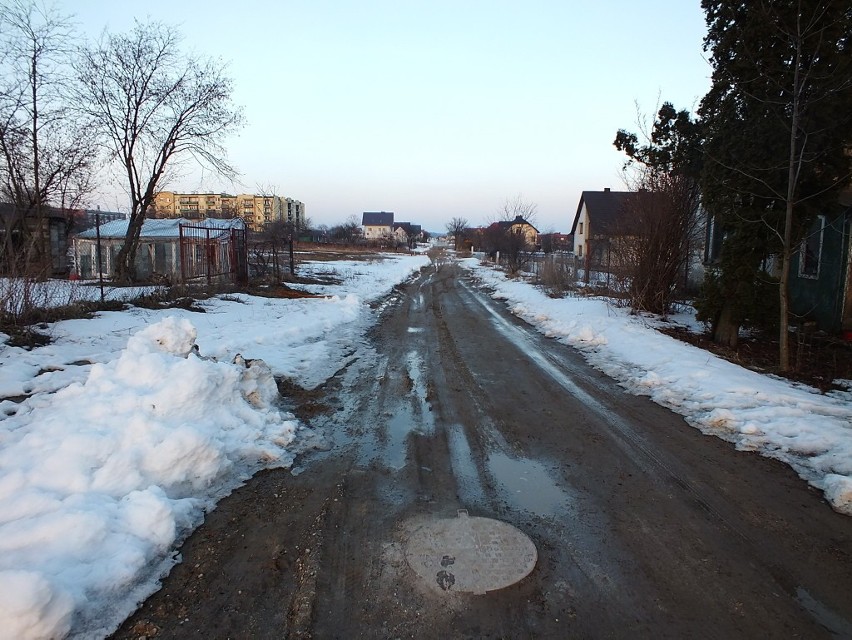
x=772 y=416
x=135 y=423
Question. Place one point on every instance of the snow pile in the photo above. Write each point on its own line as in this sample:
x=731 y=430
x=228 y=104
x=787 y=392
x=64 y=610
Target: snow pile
x=774 y=417
x=126 y=436
x=100 y=479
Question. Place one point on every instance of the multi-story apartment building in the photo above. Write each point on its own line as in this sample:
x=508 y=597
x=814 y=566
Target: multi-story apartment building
x=257 y=210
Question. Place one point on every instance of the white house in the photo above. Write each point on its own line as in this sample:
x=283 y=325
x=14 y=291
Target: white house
x=377 y=224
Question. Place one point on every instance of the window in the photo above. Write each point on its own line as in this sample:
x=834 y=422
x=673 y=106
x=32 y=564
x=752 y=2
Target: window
x=580 y=229
x=810 y=252
x=580 y=251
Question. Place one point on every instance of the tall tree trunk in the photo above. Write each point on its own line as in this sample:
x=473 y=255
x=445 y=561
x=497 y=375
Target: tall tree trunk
x=787 y=249
x=39 y=242
x=727 y=329
x=125 y=259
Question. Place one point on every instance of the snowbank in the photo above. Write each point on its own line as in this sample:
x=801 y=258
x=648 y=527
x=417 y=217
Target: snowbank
x=774 y=417
x=126 y=436
x=101 y=478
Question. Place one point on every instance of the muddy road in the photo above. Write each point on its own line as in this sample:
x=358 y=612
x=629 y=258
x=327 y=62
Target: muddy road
x=643 y=526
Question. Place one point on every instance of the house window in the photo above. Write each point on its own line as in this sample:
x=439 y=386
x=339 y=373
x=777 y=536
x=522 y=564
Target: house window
x=581 y=228
x=811 y=250
x=580 y=252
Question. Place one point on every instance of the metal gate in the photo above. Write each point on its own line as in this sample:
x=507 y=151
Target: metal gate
x=217 y=254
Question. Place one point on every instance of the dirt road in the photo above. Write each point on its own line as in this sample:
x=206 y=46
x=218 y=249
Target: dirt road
x=644 y=527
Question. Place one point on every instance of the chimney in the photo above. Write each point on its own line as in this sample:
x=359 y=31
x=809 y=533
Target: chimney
x=606 y=189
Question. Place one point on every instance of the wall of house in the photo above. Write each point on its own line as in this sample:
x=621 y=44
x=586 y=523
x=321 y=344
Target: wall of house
x=372 y=232
x=822 y=298
x=528 y=231
x=581 y=232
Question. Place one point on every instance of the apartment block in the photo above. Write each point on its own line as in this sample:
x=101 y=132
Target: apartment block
x=257 y=210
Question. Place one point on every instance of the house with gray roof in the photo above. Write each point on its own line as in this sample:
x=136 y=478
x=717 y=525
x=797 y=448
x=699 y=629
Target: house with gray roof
x=600 y=216
x=606 y=227
x=377 y=224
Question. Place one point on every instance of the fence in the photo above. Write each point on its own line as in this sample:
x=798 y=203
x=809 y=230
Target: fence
x=213 y=253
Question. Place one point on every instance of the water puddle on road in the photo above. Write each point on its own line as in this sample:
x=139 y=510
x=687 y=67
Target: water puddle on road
x=410 y=412
x=527 y=485
x=399 y=425
x=415 y=367
x=464 y=469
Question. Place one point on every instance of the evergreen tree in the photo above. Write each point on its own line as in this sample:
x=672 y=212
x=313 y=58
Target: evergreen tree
x=674 y=144
x=777 y=126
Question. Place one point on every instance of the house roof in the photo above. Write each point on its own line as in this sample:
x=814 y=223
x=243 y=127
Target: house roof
x=411 y=229
x=160 y=228
x=506 y=224
x=606 y=208
x=11 y=211
x=377 y=219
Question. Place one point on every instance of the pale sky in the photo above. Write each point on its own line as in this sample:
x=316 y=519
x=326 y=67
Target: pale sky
x=432 y=109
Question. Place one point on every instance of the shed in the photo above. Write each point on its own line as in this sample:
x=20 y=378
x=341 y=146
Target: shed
x=174 y=249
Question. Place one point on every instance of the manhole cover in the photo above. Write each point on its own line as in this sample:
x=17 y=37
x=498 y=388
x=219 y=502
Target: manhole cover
x=470 y=554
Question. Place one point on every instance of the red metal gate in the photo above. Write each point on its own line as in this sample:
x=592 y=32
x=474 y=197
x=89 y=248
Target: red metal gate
x=217 y=254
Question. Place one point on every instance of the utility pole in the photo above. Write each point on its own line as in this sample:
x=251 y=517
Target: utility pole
x=98 y=235
x=291 y=231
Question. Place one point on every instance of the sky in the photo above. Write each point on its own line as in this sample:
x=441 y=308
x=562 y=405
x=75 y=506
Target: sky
x=119 y=437
x=432 y=109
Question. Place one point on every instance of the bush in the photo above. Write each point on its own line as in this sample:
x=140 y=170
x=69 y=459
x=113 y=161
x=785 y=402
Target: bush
x=558 y=275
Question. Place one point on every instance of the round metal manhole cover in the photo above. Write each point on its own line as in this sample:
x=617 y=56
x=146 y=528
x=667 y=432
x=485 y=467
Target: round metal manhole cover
x=470 y=554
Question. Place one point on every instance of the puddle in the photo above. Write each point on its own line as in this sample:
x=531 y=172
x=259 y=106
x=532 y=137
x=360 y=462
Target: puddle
x=415 y=368
x=464 y=469
x=418 y=302
x=837 y=625
x=399 y=425
x=415 y=329
x=527 y=485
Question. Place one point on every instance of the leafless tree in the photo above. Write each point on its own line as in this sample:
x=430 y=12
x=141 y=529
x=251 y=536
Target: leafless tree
x=510 y=235
x=652 y=246
x=155 y=107
x=518 y=206
x=457 y=227
x=347 y=232
x=46 y=158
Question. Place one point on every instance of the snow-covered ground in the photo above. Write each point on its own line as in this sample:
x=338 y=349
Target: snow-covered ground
x=135 y=423
x=122 y=434
x=772 y=416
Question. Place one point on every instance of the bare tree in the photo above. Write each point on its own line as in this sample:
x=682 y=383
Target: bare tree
x=46 y=158
x=513 y=234
x=661 y=223
x=457 y=227
x=347 y=232
x=661 y=228
x=518 y=207
x=155 y=107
